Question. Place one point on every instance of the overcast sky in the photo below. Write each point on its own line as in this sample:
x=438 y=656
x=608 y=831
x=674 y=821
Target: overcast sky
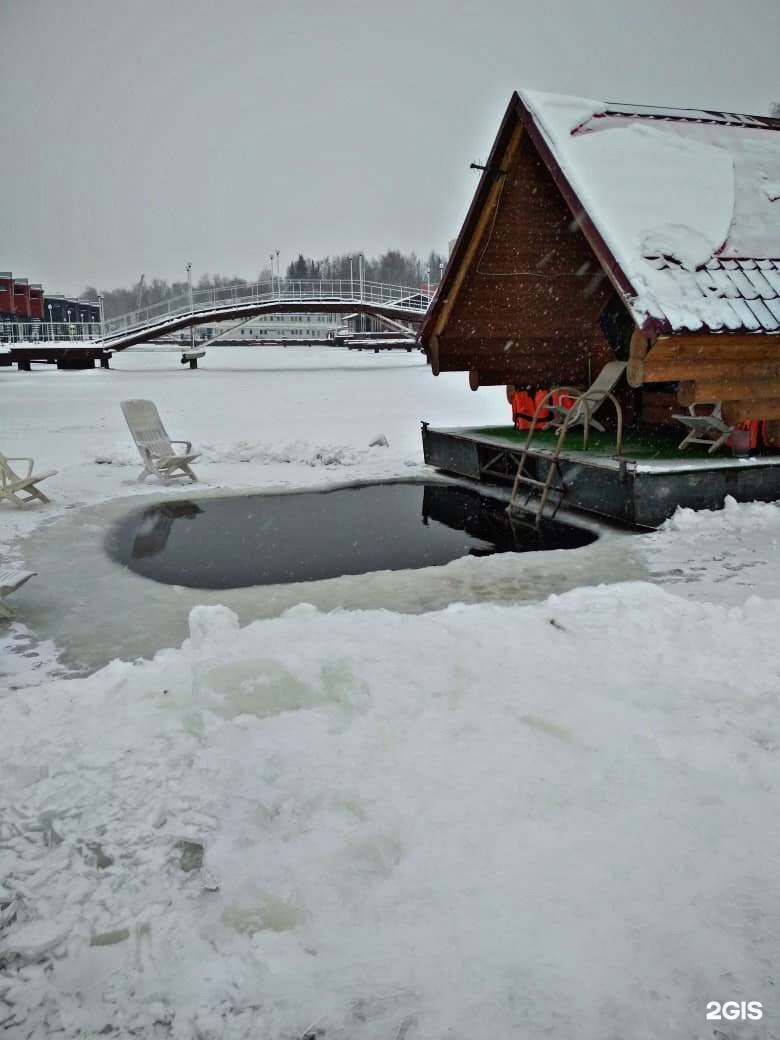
x=140 y=134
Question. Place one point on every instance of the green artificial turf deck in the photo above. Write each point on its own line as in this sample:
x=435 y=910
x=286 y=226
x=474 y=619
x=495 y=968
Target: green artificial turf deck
x=651 y=444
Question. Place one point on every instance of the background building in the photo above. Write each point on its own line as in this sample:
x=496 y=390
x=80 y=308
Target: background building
x=27 y=313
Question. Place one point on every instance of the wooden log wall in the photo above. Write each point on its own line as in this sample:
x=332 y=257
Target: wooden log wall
x=658 y=407
x=741 y=371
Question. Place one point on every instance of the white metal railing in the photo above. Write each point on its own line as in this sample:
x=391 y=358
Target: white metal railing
x=49 y=331
x=278 y=290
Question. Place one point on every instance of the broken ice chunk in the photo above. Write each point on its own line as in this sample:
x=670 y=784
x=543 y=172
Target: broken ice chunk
x=38 y=938
x=191 y=855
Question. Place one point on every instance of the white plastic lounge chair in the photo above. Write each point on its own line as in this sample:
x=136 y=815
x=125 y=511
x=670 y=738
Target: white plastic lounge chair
x=21 y=490
x=705 y=429
x=10 y=580
x=596 y=394
x=155 y=446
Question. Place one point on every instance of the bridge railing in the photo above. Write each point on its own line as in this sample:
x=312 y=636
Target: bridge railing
x=49 y=331
x=280 y=290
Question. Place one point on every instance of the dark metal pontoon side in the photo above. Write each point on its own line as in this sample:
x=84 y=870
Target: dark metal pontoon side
x=631 y=491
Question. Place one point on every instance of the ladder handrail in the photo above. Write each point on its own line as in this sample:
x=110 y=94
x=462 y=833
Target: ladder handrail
x=580 y=399
x=532 y=428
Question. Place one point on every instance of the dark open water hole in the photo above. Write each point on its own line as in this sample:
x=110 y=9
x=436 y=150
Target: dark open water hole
x=228 y=543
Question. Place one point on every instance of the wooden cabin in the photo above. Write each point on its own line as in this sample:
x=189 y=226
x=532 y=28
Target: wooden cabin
x=607 y=231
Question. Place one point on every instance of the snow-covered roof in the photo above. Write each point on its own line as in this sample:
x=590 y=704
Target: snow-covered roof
x=686 y=202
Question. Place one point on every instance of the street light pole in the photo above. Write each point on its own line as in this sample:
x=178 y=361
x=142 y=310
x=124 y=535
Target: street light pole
x=101 y=312
x=428 y=280
x=51 y=324
x=189 y=291
x=351 y=280
x=278 y=275
x=362 y=275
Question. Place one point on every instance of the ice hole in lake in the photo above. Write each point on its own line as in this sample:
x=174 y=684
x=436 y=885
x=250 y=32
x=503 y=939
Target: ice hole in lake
x=270 y=539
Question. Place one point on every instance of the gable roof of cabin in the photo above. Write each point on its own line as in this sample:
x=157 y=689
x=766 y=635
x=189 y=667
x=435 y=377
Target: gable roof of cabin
x=681 y=207
x=687 y=203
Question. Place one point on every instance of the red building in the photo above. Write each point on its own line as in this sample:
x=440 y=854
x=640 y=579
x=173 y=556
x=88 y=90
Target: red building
x=21 y=309
x=6 y=294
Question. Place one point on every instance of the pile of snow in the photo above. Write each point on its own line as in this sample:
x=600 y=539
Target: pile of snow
x=723 y=556
x=300 y=452
x=342 y=825
x=303 y=452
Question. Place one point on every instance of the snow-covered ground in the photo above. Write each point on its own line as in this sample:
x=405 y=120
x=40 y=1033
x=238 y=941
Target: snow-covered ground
x=440 y=803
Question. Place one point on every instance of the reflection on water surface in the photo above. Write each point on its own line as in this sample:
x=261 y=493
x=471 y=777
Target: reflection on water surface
x=225 y=543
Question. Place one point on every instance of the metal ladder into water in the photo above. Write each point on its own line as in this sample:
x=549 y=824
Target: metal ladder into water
x=547 y=486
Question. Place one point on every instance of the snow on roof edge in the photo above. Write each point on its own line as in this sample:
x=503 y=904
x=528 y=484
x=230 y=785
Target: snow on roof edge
x=684 y=185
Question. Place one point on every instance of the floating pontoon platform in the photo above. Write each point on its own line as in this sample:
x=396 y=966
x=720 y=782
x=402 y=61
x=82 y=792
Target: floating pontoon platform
x=642 y=487
x=60 y=354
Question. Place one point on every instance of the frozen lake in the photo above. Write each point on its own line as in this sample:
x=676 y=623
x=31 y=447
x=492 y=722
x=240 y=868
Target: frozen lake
x=525 y=794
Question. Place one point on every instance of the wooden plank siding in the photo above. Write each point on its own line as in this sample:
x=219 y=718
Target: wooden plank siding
x=478 y=233
x=530 y=289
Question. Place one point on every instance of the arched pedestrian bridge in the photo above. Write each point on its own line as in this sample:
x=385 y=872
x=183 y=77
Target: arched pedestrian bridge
x=394 y=303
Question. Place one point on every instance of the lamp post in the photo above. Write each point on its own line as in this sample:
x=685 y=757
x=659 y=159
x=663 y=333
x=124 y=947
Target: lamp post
x=189 y=293
x=362 y=276
x=51 y=324
x=428 y=280
x=351 y=280
x=101 y=312
x=278 y=275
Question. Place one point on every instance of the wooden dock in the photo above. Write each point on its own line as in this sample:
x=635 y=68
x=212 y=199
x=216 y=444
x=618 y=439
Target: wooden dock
x=378 y=343
x=62 y=355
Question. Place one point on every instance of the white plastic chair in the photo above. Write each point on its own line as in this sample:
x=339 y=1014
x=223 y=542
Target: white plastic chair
x=705 y=429
x=21 y=490
x=10 y=580
x=155 y=446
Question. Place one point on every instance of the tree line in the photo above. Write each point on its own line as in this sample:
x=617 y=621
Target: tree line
x=392 y=267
